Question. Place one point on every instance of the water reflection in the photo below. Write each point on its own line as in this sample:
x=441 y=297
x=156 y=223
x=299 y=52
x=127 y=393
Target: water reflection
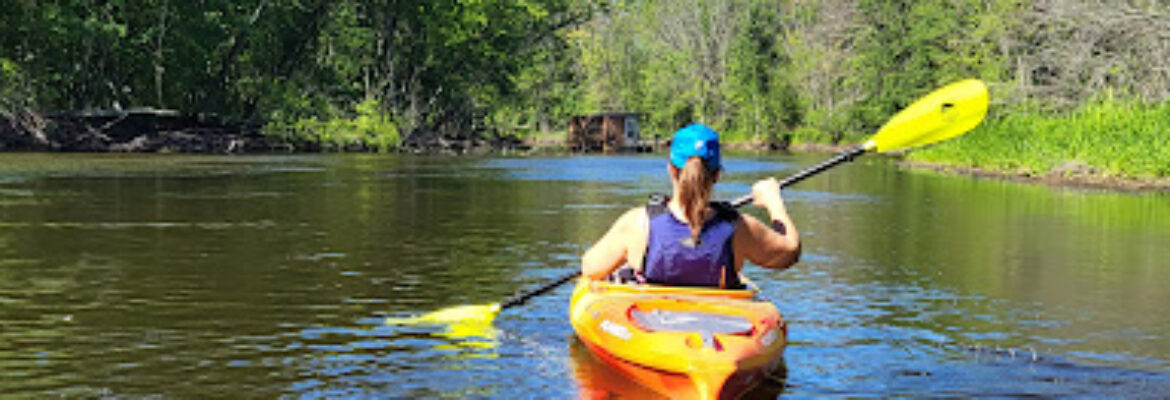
x=141 y=276
x=1074 y=257
x=596 y=380
x=466 y=326
x=376 y=359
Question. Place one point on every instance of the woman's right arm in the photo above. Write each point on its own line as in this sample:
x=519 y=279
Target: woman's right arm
x=774 y=245
x=610 y=252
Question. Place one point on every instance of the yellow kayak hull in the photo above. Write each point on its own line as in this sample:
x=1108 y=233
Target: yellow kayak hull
x=680 y=363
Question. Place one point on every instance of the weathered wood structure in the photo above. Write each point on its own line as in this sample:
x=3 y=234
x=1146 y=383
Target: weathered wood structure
x=131 y=130
x=606 y=132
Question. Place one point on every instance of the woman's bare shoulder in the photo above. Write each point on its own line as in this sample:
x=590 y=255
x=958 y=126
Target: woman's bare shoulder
x=633 y=218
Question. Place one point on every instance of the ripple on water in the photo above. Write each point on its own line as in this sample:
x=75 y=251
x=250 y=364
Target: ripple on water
x=858 y=338
x=390 y=360
x=139 y=281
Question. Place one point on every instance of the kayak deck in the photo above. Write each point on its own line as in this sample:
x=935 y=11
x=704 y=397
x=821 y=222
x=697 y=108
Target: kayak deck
x=682 y=342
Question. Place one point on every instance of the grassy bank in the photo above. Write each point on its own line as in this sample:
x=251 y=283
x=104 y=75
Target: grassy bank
x=365 y=128
x=1110 y=136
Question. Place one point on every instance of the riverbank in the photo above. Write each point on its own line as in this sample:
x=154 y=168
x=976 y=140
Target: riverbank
x=149 y=130
x=139 y=130
x=1119 y=139
x=1067 y=174
x=1110 y=142
x=1072 y=175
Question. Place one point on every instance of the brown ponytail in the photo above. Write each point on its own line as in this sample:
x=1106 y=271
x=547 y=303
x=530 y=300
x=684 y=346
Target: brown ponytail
x=694 y=191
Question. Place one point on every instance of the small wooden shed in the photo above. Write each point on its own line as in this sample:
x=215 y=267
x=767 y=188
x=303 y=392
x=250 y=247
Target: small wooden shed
x=606 y=132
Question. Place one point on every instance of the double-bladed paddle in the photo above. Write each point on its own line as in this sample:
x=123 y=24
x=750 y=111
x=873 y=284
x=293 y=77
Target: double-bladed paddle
x=943 y=114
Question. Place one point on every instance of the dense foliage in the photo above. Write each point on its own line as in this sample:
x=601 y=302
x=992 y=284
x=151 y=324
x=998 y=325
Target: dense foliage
x=834 y=70
x=429 y=66
x=380 y=73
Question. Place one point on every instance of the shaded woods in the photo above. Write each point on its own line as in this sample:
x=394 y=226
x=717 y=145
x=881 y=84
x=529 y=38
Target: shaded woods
x=453 y=74
x=372 y=72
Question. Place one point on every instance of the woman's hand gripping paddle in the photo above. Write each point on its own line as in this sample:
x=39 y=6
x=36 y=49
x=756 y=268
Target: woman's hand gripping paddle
x=940 y=115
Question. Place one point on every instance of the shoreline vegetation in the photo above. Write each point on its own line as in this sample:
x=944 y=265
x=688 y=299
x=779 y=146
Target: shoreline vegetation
x=1079 y=87
x=1115 y=142
x=1068 y=178
x=1068 y=174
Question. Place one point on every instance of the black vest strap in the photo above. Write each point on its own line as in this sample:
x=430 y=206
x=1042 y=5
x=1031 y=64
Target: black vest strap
x=656 y=205
x=724 y=211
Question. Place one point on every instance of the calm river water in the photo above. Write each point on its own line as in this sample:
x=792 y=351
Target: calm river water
x=267 y=276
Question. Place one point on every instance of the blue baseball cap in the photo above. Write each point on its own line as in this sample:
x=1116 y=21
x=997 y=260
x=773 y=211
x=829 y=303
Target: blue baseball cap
x=695 y=140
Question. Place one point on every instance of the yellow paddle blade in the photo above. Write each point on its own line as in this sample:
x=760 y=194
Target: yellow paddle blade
x=942 y=114
x=470 y=327
x=452 y=315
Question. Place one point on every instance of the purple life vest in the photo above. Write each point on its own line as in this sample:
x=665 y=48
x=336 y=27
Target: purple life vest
x=672 y=258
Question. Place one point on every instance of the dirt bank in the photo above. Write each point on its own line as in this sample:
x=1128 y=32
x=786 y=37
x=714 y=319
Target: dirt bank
x=1071 y=177
x=134 y=130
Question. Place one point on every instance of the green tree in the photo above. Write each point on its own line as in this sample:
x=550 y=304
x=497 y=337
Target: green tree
x=765 y=101
x=908 y=48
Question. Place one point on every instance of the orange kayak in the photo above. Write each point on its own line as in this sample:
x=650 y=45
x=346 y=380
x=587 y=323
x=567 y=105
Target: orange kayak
x=685 y=343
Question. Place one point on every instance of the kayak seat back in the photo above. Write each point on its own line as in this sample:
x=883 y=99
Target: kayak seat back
x=626 y=275
x=704 y=323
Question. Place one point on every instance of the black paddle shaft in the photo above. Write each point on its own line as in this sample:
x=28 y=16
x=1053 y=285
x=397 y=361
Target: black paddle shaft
x=845 y=156
x=520 y=298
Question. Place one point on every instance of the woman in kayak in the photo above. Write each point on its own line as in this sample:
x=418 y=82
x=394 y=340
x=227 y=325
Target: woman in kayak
x=687 y=241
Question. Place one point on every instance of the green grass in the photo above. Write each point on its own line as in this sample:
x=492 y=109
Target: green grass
x=1111 y=135
x=366 y=128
